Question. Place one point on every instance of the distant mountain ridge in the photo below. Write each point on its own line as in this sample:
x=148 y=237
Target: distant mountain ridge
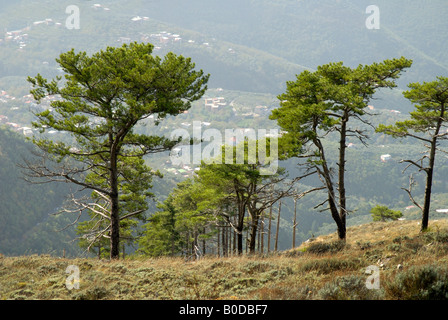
x=272 y=40
x=312 y=33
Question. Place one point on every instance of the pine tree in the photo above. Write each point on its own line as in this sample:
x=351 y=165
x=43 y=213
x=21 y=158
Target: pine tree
x=101 y=100
x=383 y=213
x=427 y=125
x=323 y=102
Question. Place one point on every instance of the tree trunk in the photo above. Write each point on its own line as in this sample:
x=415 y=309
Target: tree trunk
x=430 y=170
x=234 y=244
x=204 y=249
x=253 y=232
x=428 y=188
x=240 y=226
x=246 y=242
x=294 y=224
x=187 y=243
x=195 y=245
x=224 y=241
x=219 y=244
x=229 y=242
x=341 y=165
x=331 y=194
x=114 y=214
x=269 y=229
x=239 y=235
x=115 y=231
x=262 y=234
x=114 y=194
x=278 y=226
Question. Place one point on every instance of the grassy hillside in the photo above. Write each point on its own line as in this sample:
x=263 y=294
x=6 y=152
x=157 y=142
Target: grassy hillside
x=411 y=266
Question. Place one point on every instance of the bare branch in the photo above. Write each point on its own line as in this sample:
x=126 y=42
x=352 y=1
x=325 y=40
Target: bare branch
x=409 y=191
x=419 y=166
x=98 y=235
x=102 y=196
x=73 y=223
x=39 y=172
x=302 y=194
x=321 y=204
x=132 y=214
x=442 y=150
x=417 y=137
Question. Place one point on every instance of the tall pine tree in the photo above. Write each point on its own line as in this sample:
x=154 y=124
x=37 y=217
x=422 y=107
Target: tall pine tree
x=327 y=101
x=428 y=124
x=101 y=100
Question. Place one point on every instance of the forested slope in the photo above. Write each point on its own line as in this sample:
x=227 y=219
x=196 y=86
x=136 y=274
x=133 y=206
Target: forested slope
x=25 y=221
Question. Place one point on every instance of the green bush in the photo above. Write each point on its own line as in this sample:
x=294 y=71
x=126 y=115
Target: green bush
x=349 y=288
x=326 y=266
x=95 y=293
x=254 y=267
x=324 y=247
x=420 y=283
x=394 y=247
x=435 y=236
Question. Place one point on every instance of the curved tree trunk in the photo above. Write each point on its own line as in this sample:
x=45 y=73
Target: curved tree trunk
x=325 y=172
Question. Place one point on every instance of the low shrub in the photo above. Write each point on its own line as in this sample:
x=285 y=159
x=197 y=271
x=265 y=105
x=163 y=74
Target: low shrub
x=427 y=282
x=254 y=267
x=95 y=293
x=283 y=292
x=325 y=266
x=349 y=288
x=435 y=236
x=326 y=247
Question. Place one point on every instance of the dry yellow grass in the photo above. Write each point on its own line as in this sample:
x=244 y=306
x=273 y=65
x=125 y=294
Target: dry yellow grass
x=322 y=269
x=377 y=231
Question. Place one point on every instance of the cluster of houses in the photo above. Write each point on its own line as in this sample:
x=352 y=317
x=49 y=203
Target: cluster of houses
x=17 y=37
x=21 y=37
x=26 y=100
x=48 y=22
x=185 y=171
x=138 y=18
x=98 y=6
x=5 y=98
x=213 y=104
x=385 y=157
x=161 y=39
x=27 y=131
x=164 y=38
x=219 y=103
x=257 y=112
